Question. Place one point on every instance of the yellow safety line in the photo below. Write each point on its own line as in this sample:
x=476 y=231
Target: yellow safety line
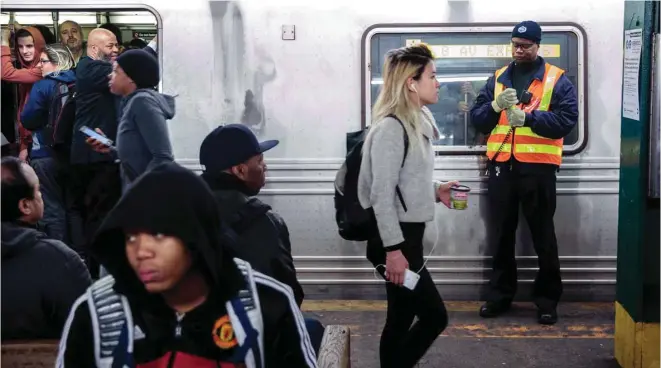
x=452 y=306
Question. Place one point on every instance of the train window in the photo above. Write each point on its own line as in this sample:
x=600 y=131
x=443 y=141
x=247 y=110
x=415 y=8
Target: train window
x=134 y=27
x=465 y=58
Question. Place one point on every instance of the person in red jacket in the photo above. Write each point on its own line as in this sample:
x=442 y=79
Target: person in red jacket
x=28 y=48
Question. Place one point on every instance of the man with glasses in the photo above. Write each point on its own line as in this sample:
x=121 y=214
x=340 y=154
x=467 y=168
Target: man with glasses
x=527 y=107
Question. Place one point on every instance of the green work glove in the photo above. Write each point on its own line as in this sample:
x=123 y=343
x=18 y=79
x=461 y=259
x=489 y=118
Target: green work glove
x=505 y=100
x=516 y=117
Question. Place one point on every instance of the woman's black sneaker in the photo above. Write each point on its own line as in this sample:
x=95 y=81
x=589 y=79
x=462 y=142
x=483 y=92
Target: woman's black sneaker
x=547 y=317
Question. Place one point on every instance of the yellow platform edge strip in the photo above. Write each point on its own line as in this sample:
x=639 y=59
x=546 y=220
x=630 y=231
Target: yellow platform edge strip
x=636 y=343
x=312 y=305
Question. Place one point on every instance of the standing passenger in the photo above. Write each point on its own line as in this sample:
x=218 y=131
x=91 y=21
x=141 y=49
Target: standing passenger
x=56 y=62
x=143 y=140
x=71 y=36
x=95 y=177
x=409 y=85
x=529 y=105
x=29 y=45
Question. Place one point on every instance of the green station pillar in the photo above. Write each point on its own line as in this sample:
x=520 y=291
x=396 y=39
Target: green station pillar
x=637 y=298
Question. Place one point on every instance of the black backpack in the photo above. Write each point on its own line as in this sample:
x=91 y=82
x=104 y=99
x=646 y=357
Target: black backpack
x=61 y=119
x=353 y=221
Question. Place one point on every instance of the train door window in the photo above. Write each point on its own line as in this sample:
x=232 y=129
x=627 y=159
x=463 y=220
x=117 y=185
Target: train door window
x=465 y=58
x=134 y=28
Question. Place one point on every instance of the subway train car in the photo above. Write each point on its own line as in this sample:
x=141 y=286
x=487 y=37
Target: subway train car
x=307 y=73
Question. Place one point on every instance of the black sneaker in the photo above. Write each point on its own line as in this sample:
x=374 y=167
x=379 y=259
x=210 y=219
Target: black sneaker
x=547 y=317
x=494 y=309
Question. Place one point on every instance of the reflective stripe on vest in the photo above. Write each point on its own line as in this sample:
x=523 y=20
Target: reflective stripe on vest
x=528 y=146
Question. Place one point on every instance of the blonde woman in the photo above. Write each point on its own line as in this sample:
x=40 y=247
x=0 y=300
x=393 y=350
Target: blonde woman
x=55 y=62
x=409 y=84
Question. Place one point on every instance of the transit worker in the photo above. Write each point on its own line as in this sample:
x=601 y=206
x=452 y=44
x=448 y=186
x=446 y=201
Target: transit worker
x=528 y=107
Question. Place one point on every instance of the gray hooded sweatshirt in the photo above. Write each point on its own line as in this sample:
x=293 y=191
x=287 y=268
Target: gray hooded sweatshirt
x=143 y=139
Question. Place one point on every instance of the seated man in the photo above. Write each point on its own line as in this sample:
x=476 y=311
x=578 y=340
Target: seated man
x=41 y=277
x=235 y=172
x=176 y=296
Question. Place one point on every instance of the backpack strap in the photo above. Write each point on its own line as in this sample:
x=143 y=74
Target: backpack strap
x=63 y=91
x=112 y=324
x=406 y=151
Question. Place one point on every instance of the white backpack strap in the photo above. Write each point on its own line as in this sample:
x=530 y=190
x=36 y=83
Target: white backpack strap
x=109 y=313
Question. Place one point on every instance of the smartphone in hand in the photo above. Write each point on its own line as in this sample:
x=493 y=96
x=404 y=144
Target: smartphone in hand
x=93 y=134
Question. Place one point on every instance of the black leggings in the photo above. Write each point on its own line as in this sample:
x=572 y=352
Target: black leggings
x=402 y=345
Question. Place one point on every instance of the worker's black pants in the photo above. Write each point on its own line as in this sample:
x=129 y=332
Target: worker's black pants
x=536 y=192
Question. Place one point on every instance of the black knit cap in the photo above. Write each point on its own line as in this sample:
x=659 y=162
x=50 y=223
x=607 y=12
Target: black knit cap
x=141 y=67
x=528 y=30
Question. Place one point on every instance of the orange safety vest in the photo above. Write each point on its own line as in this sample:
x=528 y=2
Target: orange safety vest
x=528 y=146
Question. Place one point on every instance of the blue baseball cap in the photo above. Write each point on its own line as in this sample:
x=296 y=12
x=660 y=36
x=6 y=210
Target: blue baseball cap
x=230 y=145
x=528 y=30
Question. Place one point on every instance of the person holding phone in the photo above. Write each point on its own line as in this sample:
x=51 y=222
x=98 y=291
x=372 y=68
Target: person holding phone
x=143 y=139
x=410 y=84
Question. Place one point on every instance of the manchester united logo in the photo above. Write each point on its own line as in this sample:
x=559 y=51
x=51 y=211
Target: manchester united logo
x=223 y=333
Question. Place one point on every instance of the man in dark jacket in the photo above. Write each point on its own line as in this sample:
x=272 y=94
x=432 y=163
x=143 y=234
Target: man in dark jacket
x=185 y=301
x=235 y=172
x=96 y=106
x=528 y=108
x=41 y=277
x=95 y=181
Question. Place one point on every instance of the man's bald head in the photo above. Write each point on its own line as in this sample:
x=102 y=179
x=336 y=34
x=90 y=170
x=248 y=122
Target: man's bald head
x=102 y=45
x=100 y=35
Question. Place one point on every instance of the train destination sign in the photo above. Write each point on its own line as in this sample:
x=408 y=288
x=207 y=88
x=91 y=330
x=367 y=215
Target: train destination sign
x=484 y=51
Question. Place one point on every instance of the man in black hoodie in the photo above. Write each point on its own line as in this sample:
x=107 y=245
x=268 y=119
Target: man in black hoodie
x=175 y=294
x=41 y=277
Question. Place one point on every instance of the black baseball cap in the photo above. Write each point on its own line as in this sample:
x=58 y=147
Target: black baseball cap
x=230 y=145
